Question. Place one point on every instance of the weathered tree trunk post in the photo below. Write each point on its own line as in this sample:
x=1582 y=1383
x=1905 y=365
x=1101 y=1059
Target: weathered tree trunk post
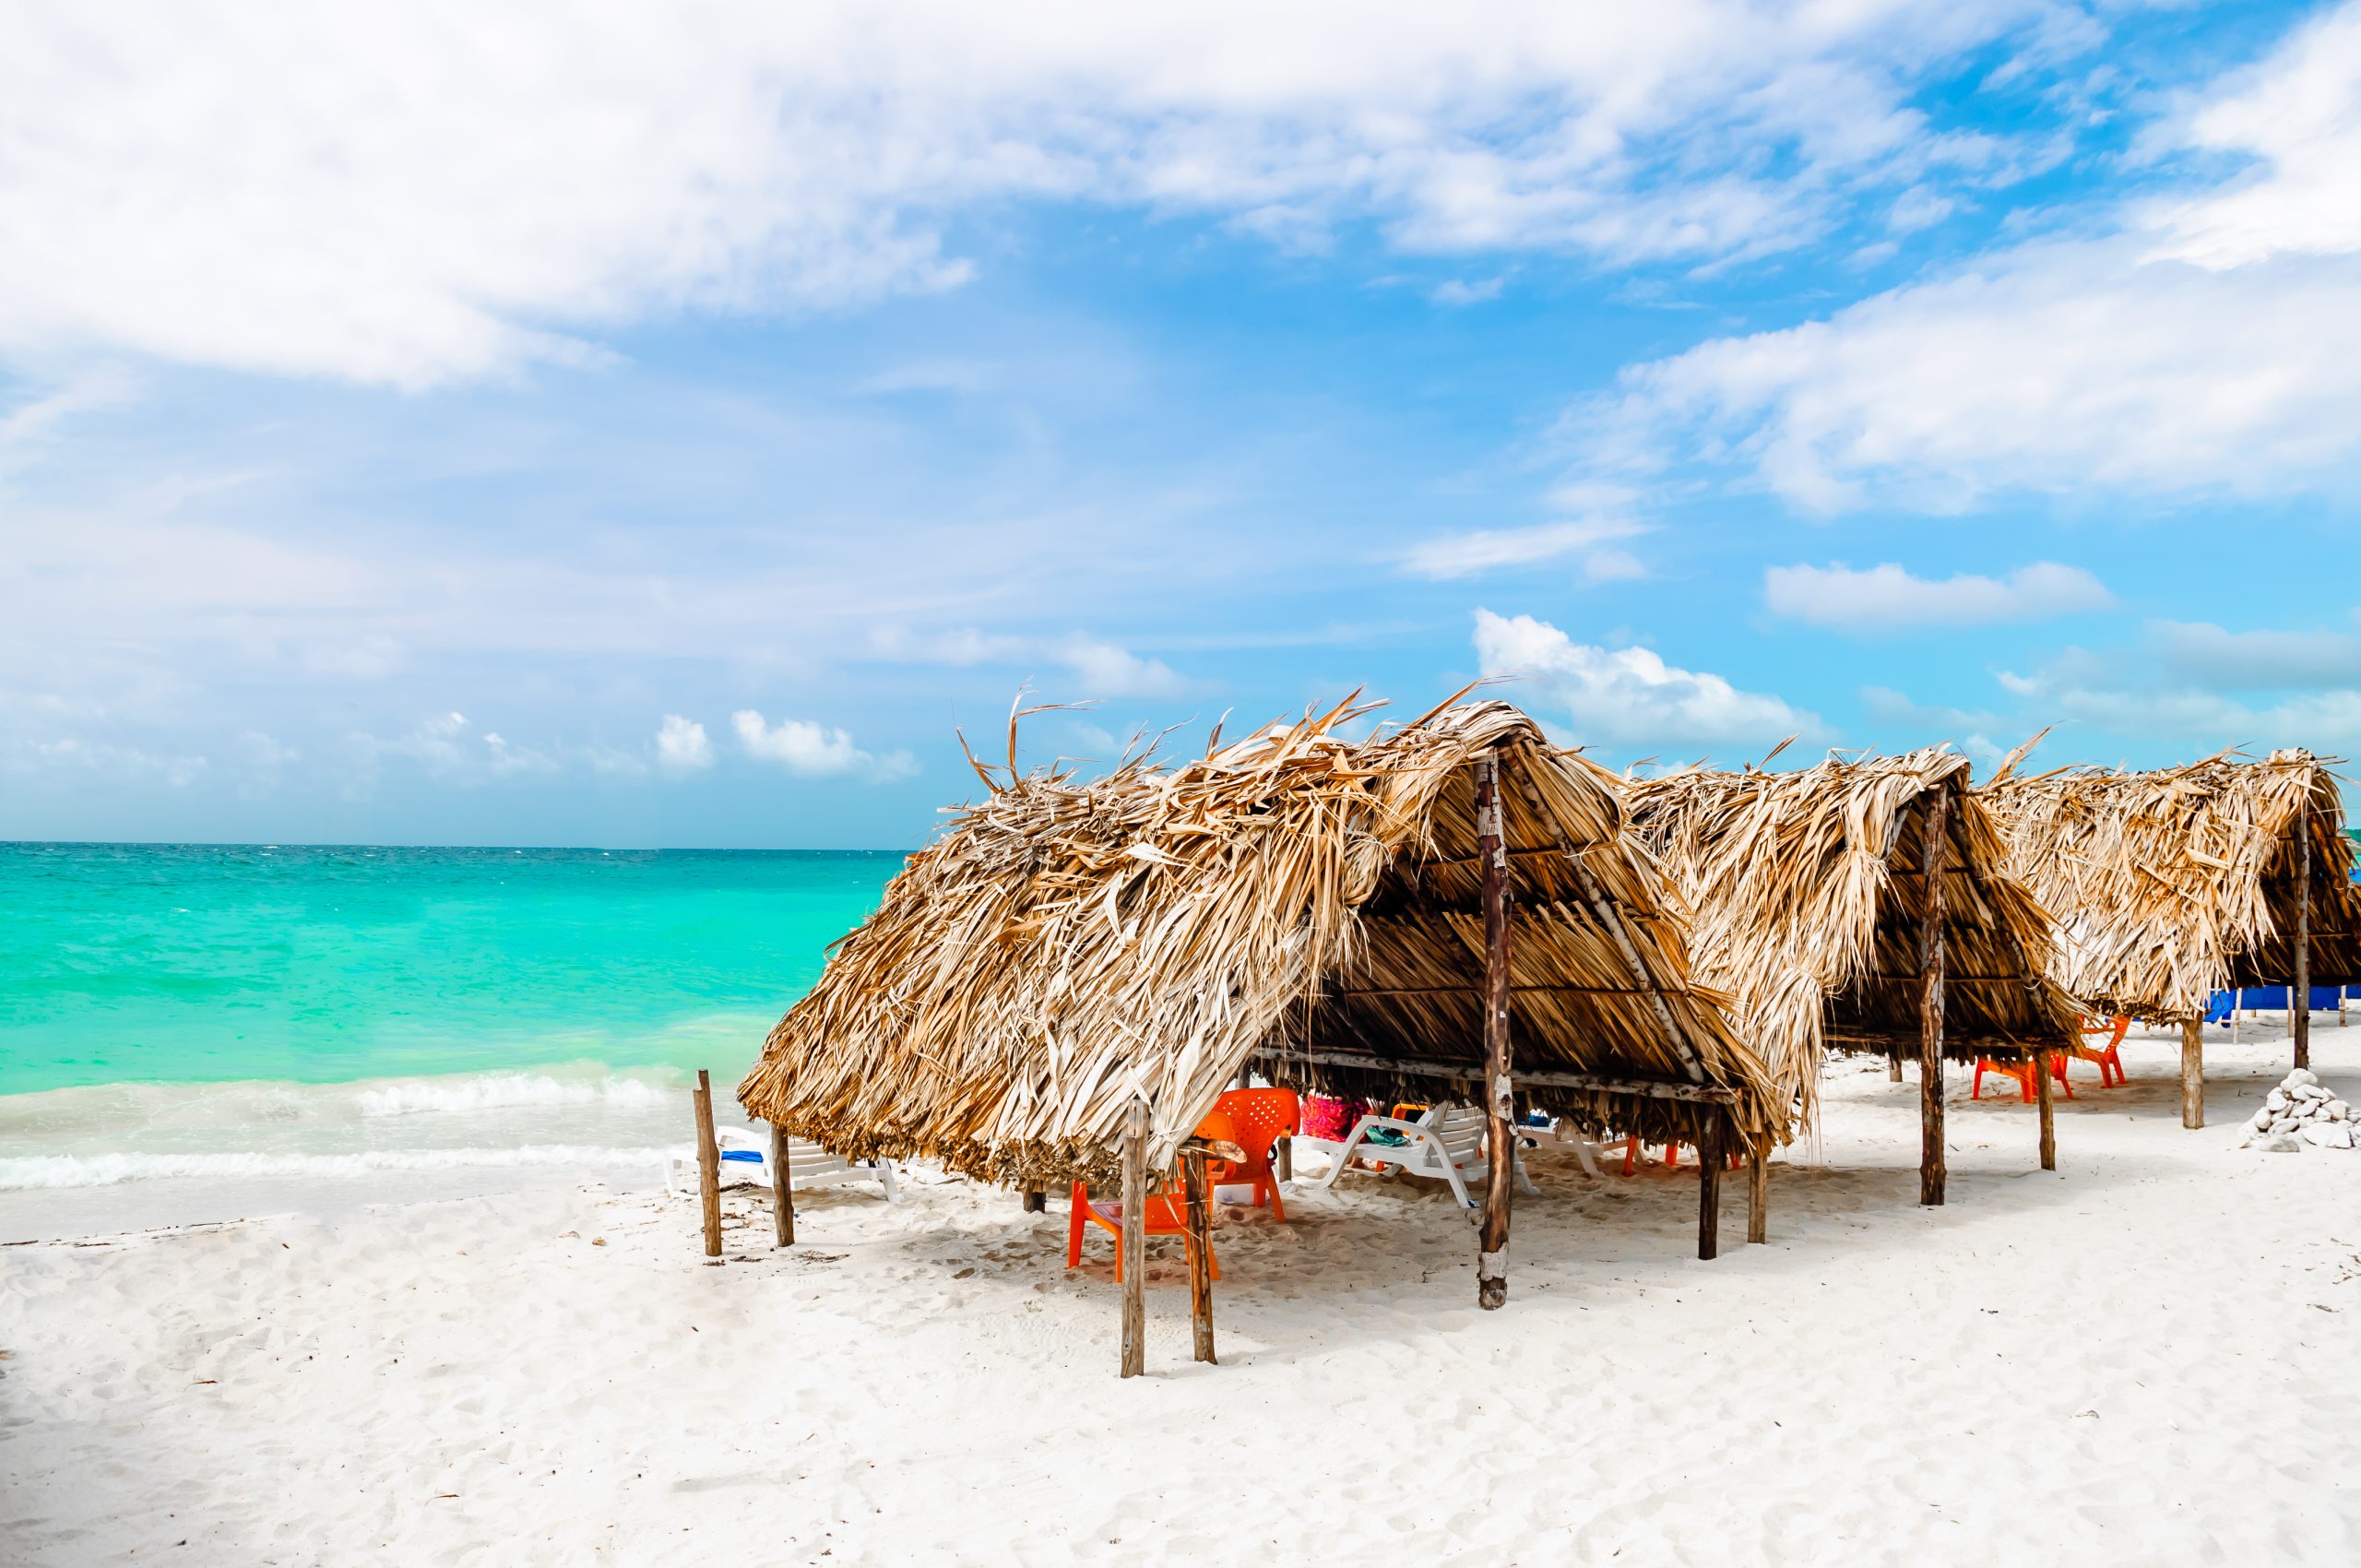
x=2192 y=1072
x=1131 y=1257
x=782 y=1189
x=1893 y=1069
x=1036 y=1201
x=1709 y=1190
x=1283 y=1157
x=708 y=1166
x=1500 y=1136
x=2300 y=995
x=1201 y=1255
x=1757 y=1195
x=2044 y=1097
x=1935 y=855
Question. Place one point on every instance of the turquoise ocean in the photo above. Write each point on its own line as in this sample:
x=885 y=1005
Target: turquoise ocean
x=241 y=1018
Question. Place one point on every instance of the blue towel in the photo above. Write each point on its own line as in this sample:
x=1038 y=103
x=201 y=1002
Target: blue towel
x=750 y=1156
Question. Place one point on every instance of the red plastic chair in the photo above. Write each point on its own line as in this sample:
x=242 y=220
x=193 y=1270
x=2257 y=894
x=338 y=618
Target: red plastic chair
x=2019 y=1073
x=1258 y=1119
x=1166 y=1215
x=2105 y=1057
x=1633 y=1148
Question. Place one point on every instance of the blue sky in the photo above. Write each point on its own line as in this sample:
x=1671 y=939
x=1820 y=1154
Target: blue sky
x=421 y=428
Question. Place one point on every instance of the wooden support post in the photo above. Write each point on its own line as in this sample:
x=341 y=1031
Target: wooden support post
x=1757 y=1195
x=708 y=1166
x=1282 y=1164
x=1893 y=1069
x=2192 y=1072
x=1934 y=858
x=1132 y=1254
x=1201 y=1255
x=1499 y=1134
x=782 y=1189
x=2045 y=1099
x=1710 y=1159
x=2300 y=995
x=1036 y=1201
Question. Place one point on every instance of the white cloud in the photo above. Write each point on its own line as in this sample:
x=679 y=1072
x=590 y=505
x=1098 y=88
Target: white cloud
x=507 y=759
x=2189 y=683
x=1450 y=556
x=2121 y=698
x=371 y=658
x=434 y=742
x=814 y=751
x=1629 y=696
x=682 y=746
x=1098 y=669
x=1456 y=291
x=2051 y=368
x=1918 y=208
x=1612 y=566
x=1916 y=724
x=2213 y=657
x=410 y=191
x=103 y=762
x=32 y=425
x=1104 y=669
x=1887 y=597
x=2297 y=114
x=2210 y=344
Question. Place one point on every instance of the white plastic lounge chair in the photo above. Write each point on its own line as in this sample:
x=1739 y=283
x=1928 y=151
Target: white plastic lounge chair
x=1445 y=1144
x=745 y=1157
x=1559 y=1134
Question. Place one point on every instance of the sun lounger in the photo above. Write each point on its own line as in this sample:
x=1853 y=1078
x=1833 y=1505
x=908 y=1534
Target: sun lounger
x=1561 y=1135
x=745 y=1159
x=1446 y=1143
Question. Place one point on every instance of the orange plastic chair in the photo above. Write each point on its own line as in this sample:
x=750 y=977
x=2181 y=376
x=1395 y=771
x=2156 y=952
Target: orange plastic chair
x=1258 y=1119
x=1165 y=1215
x=2105 y=1057
x=2019 y=1073
x=1633 y=1148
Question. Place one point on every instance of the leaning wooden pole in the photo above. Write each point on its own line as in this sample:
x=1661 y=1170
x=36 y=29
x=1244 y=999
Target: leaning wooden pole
x=708 y=1166
x=2192 y=1072
x=1758 y=1194
x=1935 y=856
x=1201 y=1255
x=1710 y=1161
x=2300 y=995
x=1499 y=1134
x=1131 y=1247
x=782 y=1188
x=2046 y=1100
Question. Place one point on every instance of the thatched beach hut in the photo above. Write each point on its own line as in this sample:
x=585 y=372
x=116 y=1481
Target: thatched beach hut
x=1860 y=906
x=1366 y=915
x=2174 y=883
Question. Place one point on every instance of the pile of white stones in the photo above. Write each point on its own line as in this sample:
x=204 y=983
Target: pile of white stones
x=2299 y=1112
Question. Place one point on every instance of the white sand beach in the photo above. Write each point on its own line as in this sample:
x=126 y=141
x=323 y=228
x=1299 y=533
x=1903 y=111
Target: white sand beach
x=2149 y=1356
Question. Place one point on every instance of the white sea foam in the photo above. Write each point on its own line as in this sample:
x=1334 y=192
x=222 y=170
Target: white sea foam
x=105 y=1169
x=488 y=1091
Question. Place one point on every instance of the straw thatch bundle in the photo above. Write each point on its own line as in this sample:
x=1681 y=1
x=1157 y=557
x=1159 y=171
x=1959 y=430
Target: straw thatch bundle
x=1066 y=946
x=2174 y=883
x=1806 y=900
